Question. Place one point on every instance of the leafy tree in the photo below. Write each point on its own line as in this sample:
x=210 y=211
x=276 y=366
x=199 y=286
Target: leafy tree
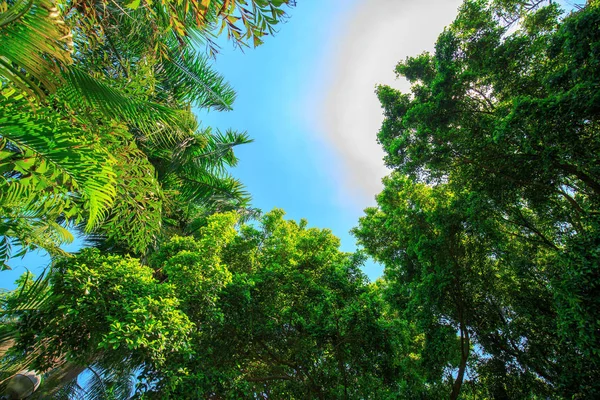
x=112 y=84
x=97 y=130
x=495 y=198
x=269 y=309
x=297 y=320
x=111 y=314
x=447 y=272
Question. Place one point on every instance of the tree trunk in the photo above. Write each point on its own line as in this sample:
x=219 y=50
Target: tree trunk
x=465 y=348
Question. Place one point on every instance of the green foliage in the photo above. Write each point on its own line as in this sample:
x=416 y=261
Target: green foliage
x=448 y=271
x=488 y=227
x=98 y=130
x=190 y=79
x=83 y=91
x=295 y=317
x=155 y=25
x=110 y=301
x=37 y=151
x=31 y=30
x=195 y=267
x=270 y=308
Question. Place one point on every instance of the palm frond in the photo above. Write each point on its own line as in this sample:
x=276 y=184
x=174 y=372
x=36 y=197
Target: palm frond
x=72 y=390
x=189 y=77
x=109 y=382
x=5 y=251
x=207 y=151
x=46 y=145
x=31 y=295
x=35 y=43
x=26 y=233
x=194 y=172
x=248 y=214
x=48 y=171
x=219 y=148
x=84 y=91
x=208 y=189
x=135 y=218
x=165 y=137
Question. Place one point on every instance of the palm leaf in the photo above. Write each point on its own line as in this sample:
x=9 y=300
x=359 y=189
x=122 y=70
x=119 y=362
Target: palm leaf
x=207 y=151
x=45 y=137
x=194 y=172
x=48 y=171
x=190 y=78
x=31 y=295
x=5 y=251
x=109 y=382
x=164 y=137
x=208 y=189
x=135 y=218
x=35 y=43
x=84 y=91
x=219 y=149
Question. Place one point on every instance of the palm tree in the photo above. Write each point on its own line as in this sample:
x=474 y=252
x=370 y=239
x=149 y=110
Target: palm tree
x=72 y=141
x=97 y=131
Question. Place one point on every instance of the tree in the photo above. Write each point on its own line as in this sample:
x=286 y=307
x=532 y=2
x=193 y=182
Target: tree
x=272 y=309
x=90 y=93
x=295 y=320
x=98 y=131
x=501 y=122
x=447 y=273
x=109 y=313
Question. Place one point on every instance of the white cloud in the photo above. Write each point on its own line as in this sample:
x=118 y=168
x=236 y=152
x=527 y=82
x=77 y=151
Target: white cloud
x=377 y=35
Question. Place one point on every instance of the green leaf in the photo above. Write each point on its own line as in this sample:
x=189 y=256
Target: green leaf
x=133 y=5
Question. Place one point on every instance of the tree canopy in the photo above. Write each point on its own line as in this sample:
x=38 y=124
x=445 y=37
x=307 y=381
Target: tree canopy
x=272 y=309
x=488 y=224
x=97 y=127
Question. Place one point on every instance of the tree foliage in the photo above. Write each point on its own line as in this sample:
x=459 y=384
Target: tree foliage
x=97 y=96
x=272 y=309
x=292 y=322
x=488 y=227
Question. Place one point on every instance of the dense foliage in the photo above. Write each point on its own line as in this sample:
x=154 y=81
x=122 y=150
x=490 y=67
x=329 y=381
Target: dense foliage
x=488 y=225
x=272 y=308
x=97 y=127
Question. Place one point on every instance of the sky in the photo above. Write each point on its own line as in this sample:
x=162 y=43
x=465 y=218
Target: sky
x=307 y=99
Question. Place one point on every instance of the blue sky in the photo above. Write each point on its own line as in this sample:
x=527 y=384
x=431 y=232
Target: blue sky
x=307 y=99
x=290 y=164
